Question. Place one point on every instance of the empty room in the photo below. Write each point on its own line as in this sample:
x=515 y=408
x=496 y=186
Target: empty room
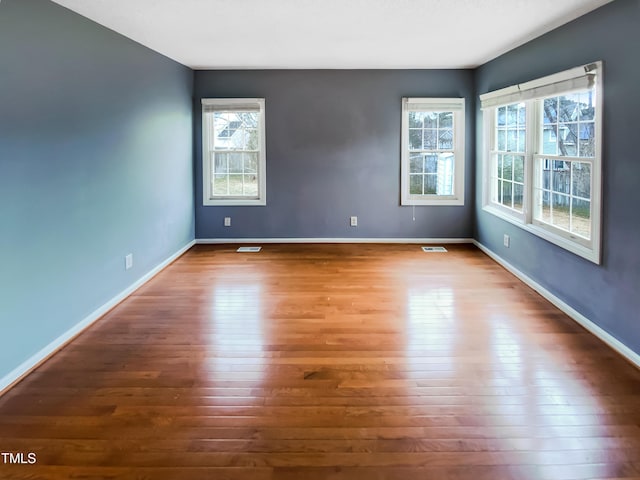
x=338 y=239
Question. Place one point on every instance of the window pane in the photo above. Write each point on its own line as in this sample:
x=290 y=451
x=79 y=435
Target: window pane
x=446 y=120
x=568 y=105
x=522 y=114
x=416 y=163
x=221 y=163
x=545 y=207
x=415 y=184
x=581 y=179
x=522 y=140
x=507 y=167
x=550 y=140
x=499 y=192
x=445 y=174
x=431 y=163
x=569 y=137
x=559 y=166
x=249 y=119
x=518 y=169
x=518 y=197
x=250 y=162
x=220 y=184
x=236 y=140
x=235 y=185
x=506 y=193
x=512 y=140
x=581 y=218
x=550 y=110
x=431 y=185
x=251 y=185
x=587 y=106
x=415 y=139
x=587 y=137
x=251 y=139
x=415 y=119
x=561 y=211
x=501 y=116
x=512 y=115
x=445 y=139
x=502 y=140
x=430 y=139
x=235 y=163
x=430 y=119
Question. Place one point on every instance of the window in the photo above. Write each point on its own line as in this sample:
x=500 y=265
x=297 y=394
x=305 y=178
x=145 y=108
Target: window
x=432 y=151
x=233 y=151
x=543 y=160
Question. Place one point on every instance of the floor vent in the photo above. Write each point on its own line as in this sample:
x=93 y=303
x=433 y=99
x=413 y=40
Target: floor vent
x=249 y=249
x=434 y=249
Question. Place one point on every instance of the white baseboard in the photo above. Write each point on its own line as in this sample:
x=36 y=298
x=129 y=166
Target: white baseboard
x=333 y=240
x=18 y=373
x=603 y=335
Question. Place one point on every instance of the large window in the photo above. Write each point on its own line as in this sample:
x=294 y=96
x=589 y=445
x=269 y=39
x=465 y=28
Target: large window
x=233 y=151
x=432 y=151
x=543 y=160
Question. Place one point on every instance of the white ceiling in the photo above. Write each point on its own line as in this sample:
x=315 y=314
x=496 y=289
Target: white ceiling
x=264 y=34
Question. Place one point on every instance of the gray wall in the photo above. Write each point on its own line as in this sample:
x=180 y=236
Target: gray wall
x=95 y=162
x=333 y=150
x=608 y=294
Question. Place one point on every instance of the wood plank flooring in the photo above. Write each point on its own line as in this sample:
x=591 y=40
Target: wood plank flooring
x=337 y=362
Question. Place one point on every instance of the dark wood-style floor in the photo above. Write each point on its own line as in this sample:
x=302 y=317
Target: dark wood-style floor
x=309 y=362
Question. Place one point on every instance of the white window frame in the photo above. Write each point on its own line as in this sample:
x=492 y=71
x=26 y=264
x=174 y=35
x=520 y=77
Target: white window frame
x=232 y=104
x=531 y=93
x=457 y=106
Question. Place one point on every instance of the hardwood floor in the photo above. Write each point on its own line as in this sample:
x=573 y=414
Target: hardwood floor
x=308 y=362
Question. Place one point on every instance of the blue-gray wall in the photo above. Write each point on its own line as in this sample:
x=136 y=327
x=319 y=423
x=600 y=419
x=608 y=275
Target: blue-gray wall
x=95 y=163
x=333 y=150
x=608 y=294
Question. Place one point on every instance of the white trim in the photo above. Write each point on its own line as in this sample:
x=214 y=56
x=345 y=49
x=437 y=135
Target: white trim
x=577 y=78
x=589 y=325
x=213 y=241
x=26 y=367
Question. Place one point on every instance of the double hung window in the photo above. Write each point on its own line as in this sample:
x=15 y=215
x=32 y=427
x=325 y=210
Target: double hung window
x=543 y=157
x=432 y=151
x=234 y=164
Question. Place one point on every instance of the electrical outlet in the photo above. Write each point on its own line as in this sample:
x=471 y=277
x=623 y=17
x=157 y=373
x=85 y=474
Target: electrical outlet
x=227 y=221
x=354 y=221
x=128 y=261
x=506 y=240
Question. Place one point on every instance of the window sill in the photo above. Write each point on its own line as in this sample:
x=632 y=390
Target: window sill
x=235 y=202
x=433 y=201
x=591 y=254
